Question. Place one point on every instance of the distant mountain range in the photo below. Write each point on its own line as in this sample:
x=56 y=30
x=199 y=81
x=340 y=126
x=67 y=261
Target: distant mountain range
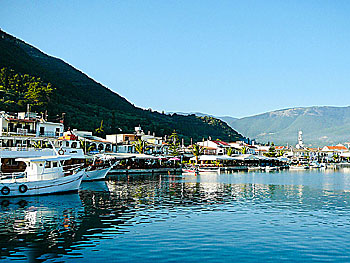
x=320 y=125
x=84 y=101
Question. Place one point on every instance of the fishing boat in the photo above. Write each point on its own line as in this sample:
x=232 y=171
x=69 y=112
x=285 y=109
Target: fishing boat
x=42 y=175
x=254 y=168
x=190 y=170
x=271 y=168
x=315 y=165
x=99 y=168
x=298 y=167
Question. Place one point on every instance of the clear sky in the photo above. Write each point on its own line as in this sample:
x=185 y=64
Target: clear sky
x=235 y=58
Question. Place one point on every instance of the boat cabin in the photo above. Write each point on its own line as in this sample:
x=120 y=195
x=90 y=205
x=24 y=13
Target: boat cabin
x=44 y=168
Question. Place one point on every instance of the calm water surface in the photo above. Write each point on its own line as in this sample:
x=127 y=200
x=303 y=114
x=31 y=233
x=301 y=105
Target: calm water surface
x=249 y=217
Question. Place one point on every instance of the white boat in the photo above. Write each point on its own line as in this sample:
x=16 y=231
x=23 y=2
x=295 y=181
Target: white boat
x=98 y=174
x=190 y=170
x=43 y=175
x=298 y=167
x=315 y=165
x=99 y=168
x=254 y=168
x=271 y=168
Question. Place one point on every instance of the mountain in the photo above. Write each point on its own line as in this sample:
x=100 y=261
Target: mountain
x=226 y=119
x=199 y=114
x=29 y=76
x=320 y=125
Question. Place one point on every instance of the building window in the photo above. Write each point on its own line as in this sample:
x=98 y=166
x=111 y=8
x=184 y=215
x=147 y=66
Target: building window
x=10 y=127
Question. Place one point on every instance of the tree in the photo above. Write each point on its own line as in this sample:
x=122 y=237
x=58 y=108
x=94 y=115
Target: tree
x=174 y=146
x=140 y=146
x=85 y=145
x=197 y=150
x=229 y=151
x=100 y=129
x=335 y=157
x=271 y=152
x=244 y=150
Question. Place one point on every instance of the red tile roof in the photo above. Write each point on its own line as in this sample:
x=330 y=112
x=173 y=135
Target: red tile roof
x=338 y=147
x=221 y=143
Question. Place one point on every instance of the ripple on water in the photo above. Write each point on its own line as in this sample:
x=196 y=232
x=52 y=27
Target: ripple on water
x=245 y=217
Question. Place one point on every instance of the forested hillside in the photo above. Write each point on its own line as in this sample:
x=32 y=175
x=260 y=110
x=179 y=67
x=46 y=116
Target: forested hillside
x=28 y=76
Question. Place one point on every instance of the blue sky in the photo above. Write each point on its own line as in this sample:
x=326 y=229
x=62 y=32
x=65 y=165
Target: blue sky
x=235 y=58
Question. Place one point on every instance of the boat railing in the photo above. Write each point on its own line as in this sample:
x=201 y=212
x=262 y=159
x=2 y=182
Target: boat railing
x=73 y=168
x=22 y=149
x=12 y=176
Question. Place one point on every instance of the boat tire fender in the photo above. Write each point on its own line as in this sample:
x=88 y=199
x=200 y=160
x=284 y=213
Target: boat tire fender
x=5 y=190
x=61 y=152
x=23 y=188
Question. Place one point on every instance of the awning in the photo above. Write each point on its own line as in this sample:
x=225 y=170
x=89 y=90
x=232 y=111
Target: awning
x=345 y=154
x=245 y=157
x=213 y=158
x=45 y=158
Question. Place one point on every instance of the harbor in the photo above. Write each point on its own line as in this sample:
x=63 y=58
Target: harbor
x=137 y=217
x=174 y=131
x=42 y=158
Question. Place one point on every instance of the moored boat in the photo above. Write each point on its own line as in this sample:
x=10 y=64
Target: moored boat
x=298 y=167
x=271 y=168
x=43 y=175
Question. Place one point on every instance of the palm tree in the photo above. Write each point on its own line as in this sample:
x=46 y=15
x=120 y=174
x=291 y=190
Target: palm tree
x=244 y=150
x=229 y=151
x=197 y=150
x=100 y=130
x=140 y=146
x=86 y=146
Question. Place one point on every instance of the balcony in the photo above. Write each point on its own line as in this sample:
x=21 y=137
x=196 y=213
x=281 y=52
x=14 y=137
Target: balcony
x=51 y=134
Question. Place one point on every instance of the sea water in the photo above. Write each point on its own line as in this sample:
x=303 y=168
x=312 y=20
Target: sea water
x=243 y=217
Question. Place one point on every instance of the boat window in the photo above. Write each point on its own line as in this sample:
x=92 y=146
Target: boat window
x=47 y=164
x=67 y=144
x=54 y=164
x=74 y=145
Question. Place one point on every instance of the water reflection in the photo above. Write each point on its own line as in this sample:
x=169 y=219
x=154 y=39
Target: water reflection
x=71 y=226
x=32 y=226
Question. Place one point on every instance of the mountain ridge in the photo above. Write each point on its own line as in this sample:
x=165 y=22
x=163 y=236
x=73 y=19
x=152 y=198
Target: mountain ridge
x=321 y=125
x=87 y=102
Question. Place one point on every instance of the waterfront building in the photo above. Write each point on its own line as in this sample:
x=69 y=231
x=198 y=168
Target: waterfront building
x=28 y=124
x=96 y=143
x=214 y=147
x=125 y=141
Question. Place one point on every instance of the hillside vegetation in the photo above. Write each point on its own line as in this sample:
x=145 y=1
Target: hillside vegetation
x=28 y=76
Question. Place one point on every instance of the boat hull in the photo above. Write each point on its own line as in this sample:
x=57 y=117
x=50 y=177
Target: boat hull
x=96 y=174
x=60 y=185
x=298 y=168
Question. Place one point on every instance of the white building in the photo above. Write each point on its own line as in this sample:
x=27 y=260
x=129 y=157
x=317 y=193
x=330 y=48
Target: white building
x=28 y=124
x=214 y=147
